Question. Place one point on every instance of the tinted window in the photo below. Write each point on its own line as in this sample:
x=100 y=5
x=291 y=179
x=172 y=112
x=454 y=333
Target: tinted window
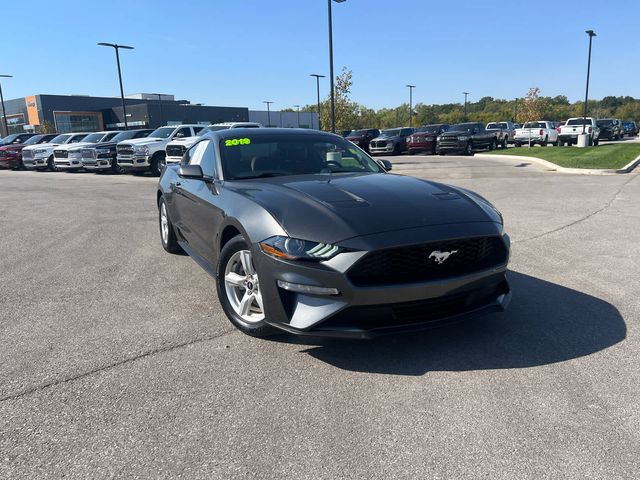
x=142 y=134
x=77 y=138
x=392 y=132
x=60 y=138
x=579 y=121
x=197 y=129
x=162 y=132
x=34 y=140
x=92 y=138
x=282 y=154
x=109 y=136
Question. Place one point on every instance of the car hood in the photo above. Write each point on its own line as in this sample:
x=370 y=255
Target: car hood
x=395 y=137
x=455 y=133
x=144 y=141
x=8 y=148
x=75 y=146
x=42 y=146
x=331 y=208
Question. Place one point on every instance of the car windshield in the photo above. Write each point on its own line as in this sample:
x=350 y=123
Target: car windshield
x=276 y=155
x=494 y=125
x=463 y=127
x=579 y=121
x=534 y=125
x=393 y=132
x=34 y=140
x=604 y=123
x=60 y=138
x=358 y=133
x=162 y=132
x=124 y=136
x=93 y=138
x=429 y=129
x=9 y=138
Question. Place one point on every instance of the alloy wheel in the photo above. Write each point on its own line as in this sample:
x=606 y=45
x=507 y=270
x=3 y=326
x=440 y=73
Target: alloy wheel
x=242 y=286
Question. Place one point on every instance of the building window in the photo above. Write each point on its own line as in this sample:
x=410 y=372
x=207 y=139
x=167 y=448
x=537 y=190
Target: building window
x=67 y=122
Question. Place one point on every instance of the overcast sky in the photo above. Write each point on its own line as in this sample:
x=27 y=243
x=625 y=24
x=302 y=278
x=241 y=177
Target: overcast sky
x=241 y=52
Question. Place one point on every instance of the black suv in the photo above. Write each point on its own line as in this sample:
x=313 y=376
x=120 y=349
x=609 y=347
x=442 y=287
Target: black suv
x=102 y=157
x=610 y=129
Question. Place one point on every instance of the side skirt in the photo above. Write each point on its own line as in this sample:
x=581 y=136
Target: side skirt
x=198 y=259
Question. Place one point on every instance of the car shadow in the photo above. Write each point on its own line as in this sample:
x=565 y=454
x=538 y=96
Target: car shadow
x=545 y=323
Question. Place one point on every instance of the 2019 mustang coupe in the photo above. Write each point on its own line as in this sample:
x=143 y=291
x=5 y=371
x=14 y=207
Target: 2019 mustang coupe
x=305 y=232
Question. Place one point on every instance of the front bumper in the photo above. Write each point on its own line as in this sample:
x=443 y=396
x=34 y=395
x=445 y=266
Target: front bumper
x=134 y=162
x=388 y=148
x=367 y=311
x=421 y=146
x=68 y=164
x=97 y=164
x=9 y=162
x=451 y=146
x=173 y=160
x=35 y=163
x=534 y=139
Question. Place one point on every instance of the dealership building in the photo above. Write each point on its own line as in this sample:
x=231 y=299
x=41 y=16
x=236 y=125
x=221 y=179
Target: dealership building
x=83 y=113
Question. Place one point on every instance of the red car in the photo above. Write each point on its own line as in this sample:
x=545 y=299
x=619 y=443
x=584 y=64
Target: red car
x=424 y=138
x=11 y=155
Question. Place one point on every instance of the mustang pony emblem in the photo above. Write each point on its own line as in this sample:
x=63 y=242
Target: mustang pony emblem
x=440 y=257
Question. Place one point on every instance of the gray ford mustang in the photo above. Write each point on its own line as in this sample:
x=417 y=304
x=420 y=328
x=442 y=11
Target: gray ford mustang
x=305 y=232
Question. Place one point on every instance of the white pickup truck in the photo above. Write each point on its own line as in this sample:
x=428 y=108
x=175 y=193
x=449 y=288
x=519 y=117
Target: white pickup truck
x=575 y=126
x=176 y=148
x=148 y=153
x=541 y=132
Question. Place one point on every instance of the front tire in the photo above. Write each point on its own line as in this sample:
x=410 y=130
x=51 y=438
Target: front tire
x=158 y=162
x=239 y=291
x=468 y=150
x=51 y=164
x=167 y=233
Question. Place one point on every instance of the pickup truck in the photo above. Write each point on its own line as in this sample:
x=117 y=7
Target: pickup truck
x=69 y=157
x=466 y=138
x=575 y=126
x=610 y=129
x=175 y=149
x=148 y=154
x=11 y=155
x=507 y=132
x=541 y=132
x=102 y=157
x=40 y=157
x=391 y=140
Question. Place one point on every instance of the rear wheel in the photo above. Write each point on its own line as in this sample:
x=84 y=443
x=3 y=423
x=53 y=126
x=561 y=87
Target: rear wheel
x=493 y=145
x=545 y=141
x=468 y=150
x=596 y=142
x=504 y=143
x=167 y=233
x=239 y=290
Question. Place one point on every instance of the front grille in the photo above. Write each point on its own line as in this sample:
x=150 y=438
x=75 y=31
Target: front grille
x=175 y=150
x=27 y=154
x=125 y=150
x=61 y=153
x=417 y=263
x=428 y=311
x=379 y=144
x=125 y=160
x=88 y=153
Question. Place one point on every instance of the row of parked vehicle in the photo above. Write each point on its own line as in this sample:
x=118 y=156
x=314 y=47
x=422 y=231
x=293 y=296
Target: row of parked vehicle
x=135 y=151
x=471 y=136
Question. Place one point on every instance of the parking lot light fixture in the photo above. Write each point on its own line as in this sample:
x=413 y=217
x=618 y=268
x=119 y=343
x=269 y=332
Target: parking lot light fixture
x=465 y=105
x=4 y=113
x=591 y=34
x=298 y=107
x=411 y=87
x=268 y=112
x=117 y=47
x=318 y=77
x=333 y=99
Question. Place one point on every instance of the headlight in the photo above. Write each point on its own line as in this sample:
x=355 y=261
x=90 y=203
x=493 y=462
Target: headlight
x=287 y=248
x=463 y=138
x=143 y=150
x=438 y=138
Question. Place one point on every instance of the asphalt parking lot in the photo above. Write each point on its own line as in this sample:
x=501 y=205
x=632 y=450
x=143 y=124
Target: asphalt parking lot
x=116 y=360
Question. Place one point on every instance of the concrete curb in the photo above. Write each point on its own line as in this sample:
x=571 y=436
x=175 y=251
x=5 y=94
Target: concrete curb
x=557 y=168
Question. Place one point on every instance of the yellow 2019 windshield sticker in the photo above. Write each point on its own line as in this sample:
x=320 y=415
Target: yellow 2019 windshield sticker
x=237 y=141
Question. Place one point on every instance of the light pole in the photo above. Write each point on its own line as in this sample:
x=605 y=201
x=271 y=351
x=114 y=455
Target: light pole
x=117 y=47
x=591 y=34
x=268 y=113
x=161 y=111
x=4 y=113
x=318 y=77
x=333 y=100
x=411 y=87
x=298 y=107
x=465 y=105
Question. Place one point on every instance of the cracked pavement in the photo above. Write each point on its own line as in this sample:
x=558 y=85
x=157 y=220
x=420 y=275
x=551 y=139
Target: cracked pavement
x=117 y=362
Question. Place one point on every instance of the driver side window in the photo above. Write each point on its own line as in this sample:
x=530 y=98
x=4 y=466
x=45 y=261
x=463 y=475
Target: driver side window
x=203 y=154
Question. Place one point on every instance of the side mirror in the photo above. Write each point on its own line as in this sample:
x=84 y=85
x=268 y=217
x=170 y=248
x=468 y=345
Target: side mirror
x=191 y=171
x=386 y=164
